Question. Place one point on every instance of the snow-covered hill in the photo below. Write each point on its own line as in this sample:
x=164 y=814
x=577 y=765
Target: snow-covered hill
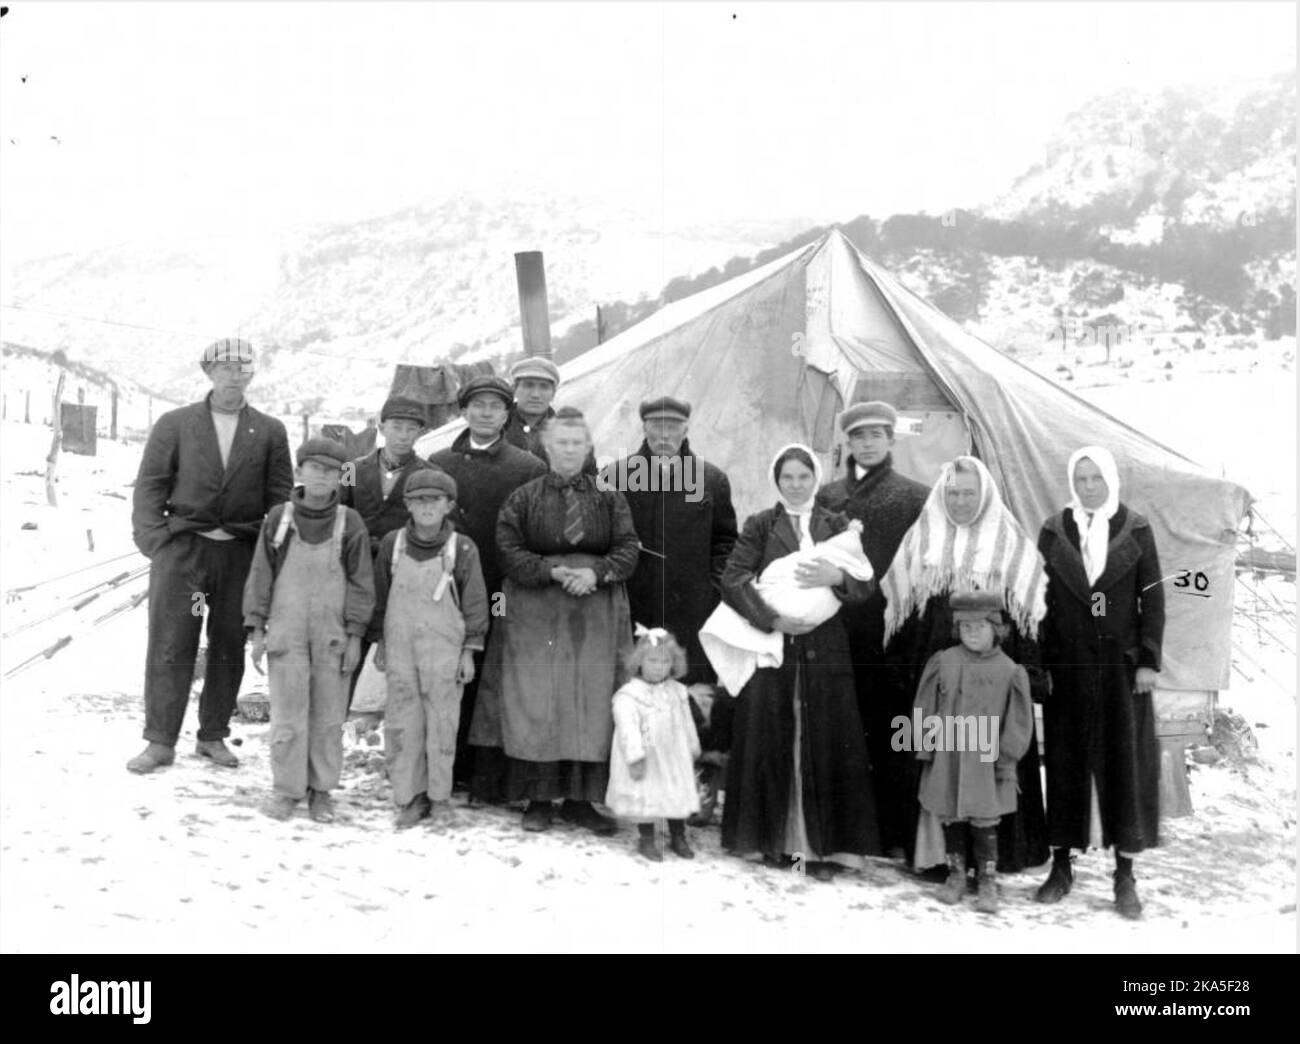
x=334 y=307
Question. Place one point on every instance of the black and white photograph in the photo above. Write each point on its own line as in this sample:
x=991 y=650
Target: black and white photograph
x=648 y=478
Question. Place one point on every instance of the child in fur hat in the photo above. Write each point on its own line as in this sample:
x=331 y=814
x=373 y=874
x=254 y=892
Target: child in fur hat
x=972 y=721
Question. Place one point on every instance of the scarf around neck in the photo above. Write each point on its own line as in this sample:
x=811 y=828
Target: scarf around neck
x=804 y=511
x=991 y=552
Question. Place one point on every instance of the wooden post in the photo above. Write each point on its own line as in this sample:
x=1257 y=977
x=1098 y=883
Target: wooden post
x=113 y=430
x=304 y=426
x=600 y=326
x=52 y=460
x=27 y=408
x=534 y=312
x=150 y=413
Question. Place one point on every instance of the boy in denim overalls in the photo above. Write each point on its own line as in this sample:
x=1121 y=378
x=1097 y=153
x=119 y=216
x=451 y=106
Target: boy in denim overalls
x=431 y=615
x=308 y=601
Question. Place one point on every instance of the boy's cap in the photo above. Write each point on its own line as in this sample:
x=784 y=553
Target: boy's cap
x=399 y=407
x=428 y=482
x=323 y=451
x=976 y=605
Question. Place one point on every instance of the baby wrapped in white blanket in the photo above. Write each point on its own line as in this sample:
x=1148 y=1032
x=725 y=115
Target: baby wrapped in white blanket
x=736 y=648
x=813 y=605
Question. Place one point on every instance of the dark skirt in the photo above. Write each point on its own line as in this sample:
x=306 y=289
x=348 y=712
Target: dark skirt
x=556 y=780
x=838 y=807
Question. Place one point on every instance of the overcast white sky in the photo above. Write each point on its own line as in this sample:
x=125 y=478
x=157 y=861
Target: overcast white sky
x=180 y=119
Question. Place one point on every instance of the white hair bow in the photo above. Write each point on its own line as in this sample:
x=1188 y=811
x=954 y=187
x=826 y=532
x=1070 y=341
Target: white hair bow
x=654 y=634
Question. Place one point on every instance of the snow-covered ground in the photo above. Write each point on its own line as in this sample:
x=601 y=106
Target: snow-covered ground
x=94 y=859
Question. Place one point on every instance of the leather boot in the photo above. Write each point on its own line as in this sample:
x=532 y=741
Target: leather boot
x=647 y=844
x=1126 y=896
x=412 y=812
x=954 y=840
x=677 y=840
x=320 y=806
x=537 y=816
x=581 y=813
x=217 y=752
x=1059 y=881
x=280 y=807
x=154 y=756
x=986 y=859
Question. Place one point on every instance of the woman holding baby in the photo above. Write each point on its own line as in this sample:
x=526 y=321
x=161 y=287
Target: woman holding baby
x=798 y=786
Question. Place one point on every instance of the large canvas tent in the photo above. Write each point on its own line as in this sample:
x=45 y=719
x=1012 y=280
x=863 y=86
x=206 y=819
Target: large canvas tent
x=775 y=355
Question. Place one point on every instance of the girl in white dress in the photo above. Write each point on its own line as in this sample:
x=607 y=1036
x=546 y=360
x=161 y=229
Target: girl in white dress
x=652 y=763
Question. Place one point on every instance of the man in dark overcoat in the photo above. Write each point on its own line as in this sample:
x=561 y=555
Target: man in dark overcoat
x=681 y=508
x=887 y=504
x=487 y=469
x=209 y=474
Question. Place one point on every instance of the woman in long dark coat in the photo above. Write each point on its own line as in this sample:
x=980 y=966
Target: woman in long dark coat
x=798 y=782
x=966 y=540
x=567 y=548
x=1101 y=645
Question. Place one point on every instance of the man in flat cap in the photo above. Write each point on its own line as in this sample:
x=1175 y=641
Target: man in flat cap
x=209 y=474
x=682 y=511
x=375 y=485
x=487 y=469
x=536 y=380
x=887 y=504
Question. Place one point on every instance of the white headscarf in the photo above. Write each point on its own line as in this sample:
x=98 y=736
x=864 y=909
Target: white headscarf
x=991 y=552
x=1094 y=537
x=804 y=511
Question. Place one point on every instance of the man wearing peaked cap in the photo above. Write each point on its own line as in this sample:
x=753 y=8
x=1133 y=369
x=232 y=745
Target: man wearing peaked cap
x=486 y=468
x=486 y=384
x=537 y=367
x=535 y=382
x=682 y=511
x=886 y=503
x=227 y=350
x=665 y=407
x=877 y=414
x=209 y=473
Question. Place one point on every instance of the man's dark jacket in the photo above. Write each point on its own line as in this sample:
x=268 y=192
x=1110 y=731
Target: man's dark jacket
x=679 y=590
x=887 y=504
x=181 y=485
x=365 y=493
